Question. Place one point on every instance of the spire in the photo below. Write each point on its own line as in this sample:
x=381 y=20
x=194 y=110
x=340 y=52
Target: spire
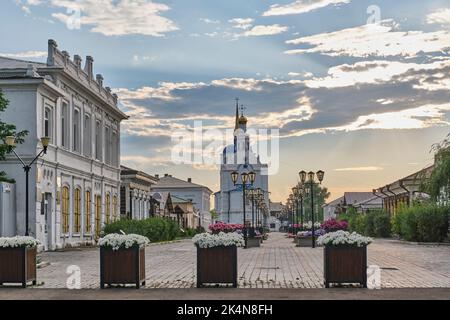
x=236 y=123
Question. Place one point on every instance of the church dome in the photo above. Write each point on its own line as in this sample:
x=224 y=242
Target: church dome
x=242 y=120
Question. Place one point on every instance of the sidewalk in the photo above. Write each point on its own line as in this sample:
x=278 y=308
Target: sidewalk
x=225 y=294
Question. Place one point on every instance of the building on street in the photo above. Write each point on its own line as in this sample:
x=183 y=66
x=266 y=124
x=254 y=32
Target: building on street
x=74 y=189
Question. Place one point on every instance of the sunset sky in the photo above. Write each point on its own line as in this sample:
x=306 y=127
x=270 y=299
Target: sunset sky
x=359 y=89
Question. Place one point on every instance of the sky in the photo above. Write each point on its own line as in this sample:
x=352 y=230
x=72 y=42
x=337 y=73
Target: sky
x=359 y=89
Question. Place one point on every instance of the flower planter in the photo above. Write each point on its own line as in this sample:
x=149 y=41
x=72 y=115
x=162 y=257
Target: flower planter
x=217 y=265
x=123 y=266
x=18 y=265
x=252 y=242
x=304 y=242
x=345 y=264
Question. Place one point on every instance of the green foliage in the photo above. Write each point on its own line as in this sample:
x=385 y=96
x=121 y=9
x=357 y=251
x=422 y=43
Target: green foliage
x=156 y=229
x=7 y=130
x=423 y=222
x=321 y=195
x=373 y=224
x=439 y=181
x=214 y=214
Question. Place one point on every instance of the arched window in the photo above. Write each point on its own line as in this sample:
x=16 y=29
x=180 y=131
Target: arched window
x=98 y=215
x=87 y=212
x=65 y=210
x=108 y=209
x=115 y=215
x=77 y=211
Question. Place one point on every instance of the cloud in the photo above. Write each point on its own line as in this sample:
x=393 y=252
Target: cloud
x=209 y=21
x=242 y=23
x=301 y=74
x=359 y=169
x=265 y=30
x=25 y=54
x=373 y=40
x=118 y=18
x=301 y=6
x=441 y=17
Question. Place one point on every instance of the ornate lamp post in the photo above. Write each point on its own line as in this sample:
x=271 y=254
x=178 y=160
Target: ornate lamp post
x=244 y=178
x=311 y=175
x=11 y=141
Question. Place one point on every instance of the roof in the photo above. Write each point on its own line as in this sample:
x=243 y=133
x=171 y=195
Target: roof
x=276 y=206
x=374 y=201
x=10 y=63
x=335 y=202
x=169 y=182
x=176 y=199
x=129 y=171
x=357 y=197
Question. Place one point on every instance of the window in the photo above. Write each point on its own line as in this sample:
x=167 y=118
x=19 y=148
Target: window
x=107 y=146
x=64 y=125
x=65 y=210
x=115 y=215
x=115 y=148
x=87 y=143
x=76 y=131
x=48 y=117
x=98 y=141
x=87 y=212
x=98 y=215
x=77 y=211
x=108 y=209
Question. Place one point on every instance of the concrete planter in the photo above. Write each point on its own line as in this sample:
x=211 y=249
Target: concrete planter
x=217 y=265
x=345 y=264
x=124 y=266
x=252 y=242
x=18 y=265
x=304 y=242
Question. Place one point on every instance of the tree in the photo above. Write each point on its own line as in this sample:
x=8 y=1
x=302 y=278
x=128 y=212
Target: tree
x=321 y=195
x=7 y=130
x=214 y=214
x=438 y=185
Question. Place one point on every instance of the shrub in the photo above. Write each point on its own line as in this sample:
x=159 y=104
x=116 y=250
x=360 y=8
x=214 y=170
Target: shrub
x=373 y=224
x=156 y=229
x=381 y=225
x=422 y=223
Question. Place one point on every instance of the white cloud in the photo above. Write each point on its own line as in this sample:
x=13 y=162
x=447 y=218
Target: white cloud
x=117 y=18
x=209 y=21
x=265 y=30
x=300 y=74
x=301 y=6
x=377 y=71
x=25 y=54
x=441 y=17
x=242 y=23
x=373 y=168
x=373 y=40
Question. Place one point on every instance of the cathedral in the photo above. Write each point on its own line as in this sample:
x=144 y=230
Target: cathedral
x=239 y=157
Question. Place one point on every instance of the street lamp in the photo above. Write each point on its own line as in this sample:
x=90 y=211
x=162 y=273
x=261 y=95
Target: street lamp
x=11 y=142
x=244 y=178
x=311 y=175
x=295 y=193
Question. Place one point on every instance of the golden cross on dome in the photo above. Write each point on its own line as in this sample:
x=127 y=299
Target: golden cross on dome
x=243 y=109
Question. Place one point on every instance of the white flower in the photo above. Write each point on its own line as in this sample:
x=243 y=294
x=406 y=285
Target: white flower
x=343 y=238
x=18 y=241
x=117 y=241
x=208 y=240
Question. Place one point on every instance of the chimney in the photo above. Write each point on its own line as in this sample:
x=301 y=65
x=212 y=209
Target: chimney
x=77 y=60
x=52 y=45
x=99 y=78
x=189 y=180
x=166 y=175
x=157 y=176
x=89 y=67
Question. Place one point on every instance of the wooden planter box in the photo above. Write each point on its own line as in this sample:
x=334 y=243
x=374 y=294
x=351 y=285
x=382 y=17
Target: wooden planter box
x=217 y=266
x=304 y=242
x=254 y=242
x=18 y=265
x=345 y=264
x=124 y=266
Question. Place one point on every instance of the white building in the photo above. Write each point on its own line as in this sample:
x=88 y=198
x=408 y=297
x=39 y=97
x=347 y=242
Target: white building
x=240 y=158
x=198 y=194
x=74 y=189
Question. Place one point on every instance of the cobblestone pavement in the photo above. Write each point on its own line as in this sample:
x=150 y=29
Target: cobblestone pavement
x=277 y=264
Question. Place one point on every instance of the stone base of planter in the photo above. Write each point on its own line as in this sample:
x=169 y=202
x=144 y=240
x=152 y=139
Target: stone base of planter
x=124 y=266
x=18 y=265
x=345 y=264
x=304 y=242
x=217 y=266
x=252 y=243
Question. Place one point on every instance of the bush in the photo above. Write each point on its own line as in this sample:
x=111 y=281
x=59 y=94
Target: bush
x=422 y=223
x=373 y=224
x=156 y=229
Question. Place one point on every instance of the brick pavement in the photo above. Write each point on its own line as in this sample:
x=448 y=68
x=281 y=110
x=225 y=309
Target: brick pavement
x=277 y=264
